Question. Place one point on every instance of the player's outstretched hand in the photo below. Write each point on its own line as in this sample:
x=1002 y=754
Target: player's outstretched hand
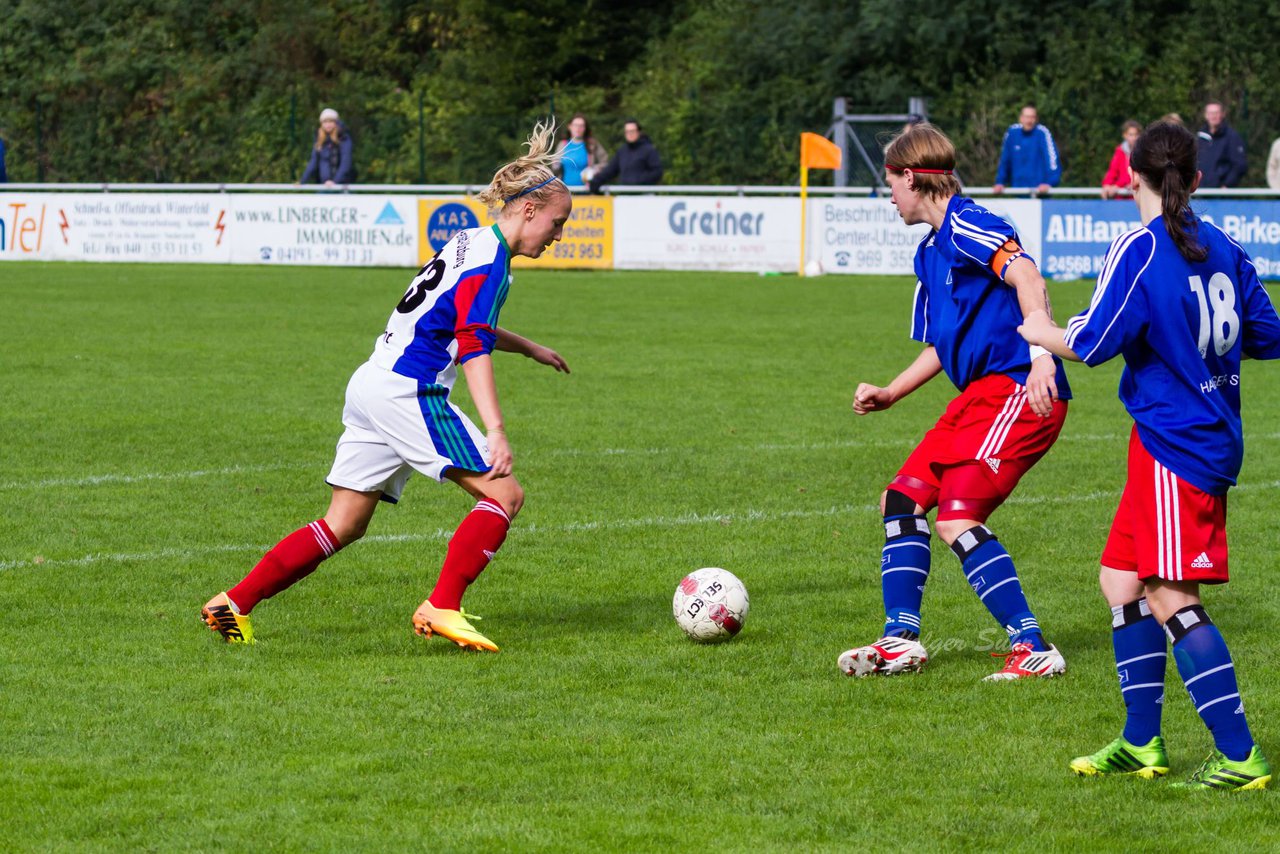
x=871 y=398
x=547 y=356
x=1042 y=385
x=499 y=455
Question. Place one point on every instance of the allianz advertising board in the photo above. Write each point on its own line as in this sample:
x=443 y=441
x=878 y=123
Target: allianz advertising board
x=1078 y=233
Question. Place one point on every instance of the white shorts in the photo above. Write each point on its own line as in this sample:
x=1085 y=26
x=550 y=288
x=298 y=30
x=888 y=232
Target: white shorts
x=394 y=424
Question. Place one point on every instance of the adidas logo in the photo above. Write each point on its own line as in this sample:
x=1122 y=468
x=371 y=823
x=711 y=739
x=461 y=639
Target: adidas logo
x=1240 y=708
x=994 y=463
x=1202 y=562
x=488 y=554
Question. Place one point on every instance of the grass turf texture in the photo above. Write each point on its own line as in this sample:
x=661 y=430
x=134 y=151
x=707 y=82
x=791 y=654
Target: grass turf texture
x=163 y=425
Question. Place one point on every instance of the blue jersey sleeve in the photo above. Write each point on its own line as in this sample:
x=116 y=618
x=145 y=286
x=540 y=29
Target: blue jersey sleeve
x=1004 y=172
x=920 y=316
x=1118 y=312
x=1261 y=332
x=1053 y=165
x=478 y=299
x=979 y=234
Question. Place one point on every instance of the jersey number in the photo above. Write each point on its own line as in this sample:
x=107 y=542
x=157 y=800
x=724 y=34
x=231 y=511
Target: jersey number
x=1221 y=304
x=428 y=279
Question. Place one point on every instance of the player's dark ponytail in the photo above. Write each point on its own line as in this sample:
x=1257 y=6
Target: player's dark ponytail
x=1165 y=156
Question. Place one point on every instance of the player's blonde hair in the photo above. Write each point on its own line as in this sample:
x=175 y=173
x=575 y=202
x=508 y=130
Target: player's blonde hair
x=923 y=146
x=530 y=177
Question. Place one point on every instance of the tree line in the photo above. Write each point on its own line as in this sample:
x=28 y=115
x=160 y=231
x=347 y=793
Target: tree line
x=443 y=92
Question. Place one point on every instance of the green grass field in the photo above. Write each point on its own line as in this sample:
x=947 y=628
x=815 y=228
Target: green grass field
x=164 y=425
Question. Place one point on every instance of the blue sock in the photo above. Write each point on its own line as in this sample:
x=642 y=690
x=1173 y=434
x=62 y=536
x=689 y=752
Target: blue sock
x=1206 y=669
x=904 y=568
x=990 y=572
x=1139 y=645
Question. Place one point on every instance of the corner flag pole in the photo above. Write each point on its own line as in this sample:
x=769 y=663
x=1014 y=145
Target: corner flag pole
x=816 y=152
x=804 y=211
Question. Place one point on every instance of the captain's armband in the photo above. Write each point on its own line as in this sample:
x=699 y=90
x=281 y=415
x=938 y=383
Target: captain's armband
x=1006 y=255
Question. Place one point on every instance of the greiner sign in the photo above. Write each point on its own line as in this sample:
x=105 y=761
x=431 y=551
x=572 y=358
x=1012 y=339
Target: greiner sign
x=706 y=233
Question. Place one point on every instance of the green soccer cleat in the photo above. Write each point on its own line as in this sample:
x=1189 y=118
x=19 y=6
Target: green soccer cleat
x=1121 y=757
x=1219 y=772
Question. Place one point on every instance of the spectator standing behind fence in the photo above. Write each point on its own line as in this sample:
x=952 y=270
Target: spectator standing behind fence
x=331 y=162
x=1028 y=157
x=1273 y=166
x=1117 y=181
x=1222 y=160
x=636 y=162
x=580 y=156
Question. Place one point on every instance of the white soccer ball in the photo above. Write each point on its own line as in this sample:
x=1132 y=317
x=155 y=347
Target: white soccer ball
x=710 y=605
x=813 y=268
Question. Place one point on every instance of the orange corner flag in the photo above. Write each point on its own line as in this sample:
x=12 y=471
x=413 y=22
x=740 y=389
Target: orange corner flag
x=818 y=152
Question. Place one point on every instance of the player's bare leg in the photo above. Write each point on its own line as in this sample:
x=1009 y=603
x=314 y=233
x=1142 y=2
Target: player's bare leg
x=477 y=539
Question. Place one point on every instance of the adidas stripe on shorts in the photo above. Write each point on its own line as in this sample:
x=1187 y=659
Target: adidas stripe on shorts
x=1165 y=527
x=396 y=425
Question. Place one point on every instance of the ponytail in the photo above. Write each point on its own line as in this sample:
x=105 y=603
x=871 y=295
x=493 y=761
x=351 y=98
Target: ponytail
x=1165 y=156
x=528 y=177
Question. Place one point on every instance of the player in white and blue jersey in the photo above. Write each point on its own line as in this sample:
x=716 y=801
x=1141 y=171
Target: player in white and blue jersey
x=1181 y=302
x=975 y=286
x=399 y=419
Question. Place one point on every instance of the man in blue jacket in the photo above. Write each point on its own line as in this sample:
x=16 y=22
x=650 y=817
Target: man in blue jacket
x=1028 y=157
x=1221 y=149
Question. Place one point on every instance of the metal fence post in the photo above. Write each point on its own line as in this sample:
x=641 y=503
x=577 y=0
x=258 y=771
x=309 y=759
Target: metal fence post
x=422 y=141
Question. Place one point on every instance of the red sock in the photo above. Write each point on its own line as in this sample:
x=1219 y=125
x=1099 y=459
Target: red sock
x=293 y=559
x=472 y=546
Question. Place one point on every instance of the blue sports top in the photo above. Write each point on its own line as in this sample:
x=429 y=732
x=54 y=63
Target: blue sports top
x=449 y=314
x=573 y=159
x=1182 y=328
x=963 y=307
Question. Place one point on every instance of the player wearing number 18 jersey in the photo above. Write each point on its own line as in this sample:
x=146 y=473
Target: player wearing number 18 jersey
x=975 y=286
x=1181 y=302
x=399 y=419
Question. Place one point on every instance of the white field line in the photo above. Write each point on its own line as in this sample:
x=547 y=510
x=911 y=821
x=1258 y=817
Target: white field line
x=569 y=528
x=103 y=479
x=144 y=477
x=99 y=479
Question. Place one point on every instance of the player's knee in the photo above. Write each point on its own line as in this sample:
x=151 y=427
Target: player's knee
x=951 y=529
x=509 y=493
x=347 y=529
x=902 y=517
x=894 y=503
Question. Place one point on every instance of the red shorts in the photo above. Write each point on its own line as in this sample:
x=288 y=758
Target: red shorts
x=970 y=461
x=1165 y=527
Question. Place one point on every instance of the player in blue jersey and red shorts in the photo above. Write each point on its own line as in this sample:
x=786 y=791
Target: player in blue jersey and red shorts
x=976 y=284
x=1181 y=302
x=399 y=419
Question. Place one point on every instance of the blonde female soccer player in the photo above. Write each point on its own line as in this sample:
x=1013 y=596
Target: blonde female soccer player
x=1181 y=301
x=975 y=286
x=399 y=419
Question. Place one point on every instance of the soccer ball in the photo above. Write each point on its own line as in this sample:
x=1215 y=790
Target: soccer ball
x=710 y=605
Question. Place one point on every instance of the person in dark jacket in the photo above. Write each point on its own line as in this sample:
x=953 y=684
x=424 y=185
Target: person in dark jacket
x=1221 y=149
x=331 y=162
x=636 y=162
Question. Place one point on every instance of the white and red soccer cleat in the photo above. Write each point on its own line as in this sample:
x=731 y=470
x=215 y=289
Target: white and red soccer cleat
x=1023 y=661
x=889 y=655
